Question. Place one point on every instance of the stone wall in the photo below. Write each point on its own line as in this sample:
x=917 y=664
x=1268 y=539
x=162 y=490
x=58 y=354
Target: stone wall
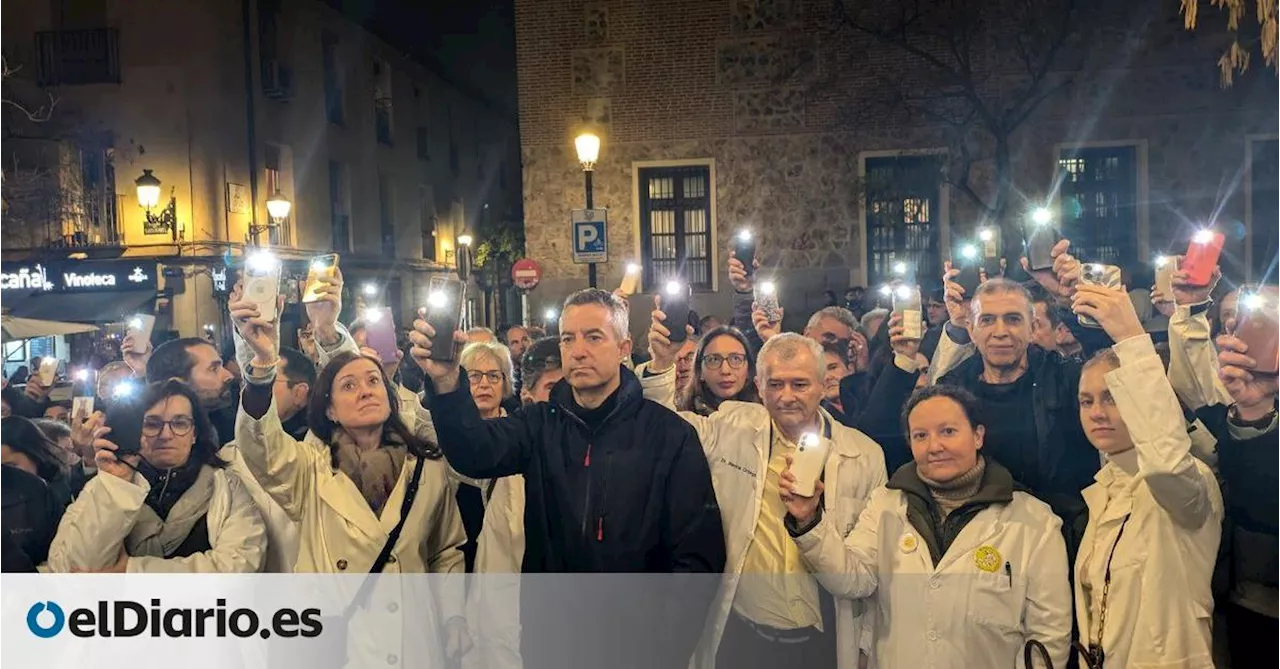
x=767 y=91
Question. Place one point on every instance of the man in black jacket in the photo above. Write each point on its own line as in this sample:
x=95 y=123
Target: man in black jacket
x=615 y=484
x=1028 y=394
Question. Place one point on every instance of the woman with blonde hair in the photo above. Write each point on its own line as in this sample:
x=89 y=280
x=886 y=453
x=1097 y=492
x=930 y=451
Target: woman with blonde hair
x=494 y=600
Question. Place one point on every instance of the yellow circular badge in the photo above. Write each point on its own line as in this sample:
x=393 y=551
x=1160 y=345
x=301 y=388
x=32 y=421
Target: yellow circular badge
x=987 y=558
x=908 y=543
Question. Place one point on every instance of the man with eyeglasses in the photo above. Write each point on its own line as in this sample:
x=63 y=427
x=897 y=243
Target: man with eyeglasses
x=772 y=611
x=684 y=363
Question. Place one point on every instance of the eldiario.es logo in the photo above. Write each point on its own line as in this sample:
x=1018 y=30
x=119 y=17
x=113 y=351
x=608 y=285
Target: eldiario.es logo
x=124 y=618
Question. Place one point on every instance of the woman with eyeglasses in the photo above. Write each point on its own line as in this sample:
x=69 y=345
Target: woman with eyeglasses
x=169 y=507
x=494 y=601
x=488 y=368
x=722 y=370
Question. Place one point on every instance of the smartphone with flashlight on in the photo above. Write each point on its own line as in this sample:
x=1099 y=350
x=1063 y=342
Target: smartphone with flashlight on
x=140 y=328
x=809 y=462
x=766 y=299
x=48 y=370
x=744 y=249
x=262 y=282
x=969 y=277
x=380 y=333
x=1258 y=326
x=1039 y=236
x=1202 y=256
x=630 y=280
x=1165 y=267
x=1097 y=274
x=445 y=298
x=81 y=408
x=907 y=304
x=675 y=304
x=325 y=266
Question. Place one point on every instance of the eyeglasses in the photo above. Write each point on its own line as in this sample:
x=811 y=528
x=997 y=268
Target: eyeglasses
x=716 y=361
x=180 y=426
x=494 y=378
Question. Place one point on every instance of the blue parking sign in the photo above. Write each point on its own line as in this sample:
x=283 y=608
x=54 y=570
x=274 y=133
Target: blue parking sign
x=590 y=235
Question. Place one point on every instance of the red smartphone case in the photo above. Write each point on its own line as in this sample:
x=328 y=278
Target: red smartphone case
x=1201 y=258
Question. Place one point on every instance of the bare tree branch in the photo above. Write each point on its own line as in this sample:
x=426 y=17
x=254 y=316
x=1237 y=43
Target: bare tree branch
x=42 y=113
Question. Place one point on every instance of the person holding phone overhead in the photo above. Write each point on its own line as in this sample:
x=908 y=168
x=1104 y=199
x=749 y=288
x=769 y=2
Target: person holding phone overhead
x=614 y=484
x=169 y=507
x=960 y=566
x=369 y=495
x=1142 y=577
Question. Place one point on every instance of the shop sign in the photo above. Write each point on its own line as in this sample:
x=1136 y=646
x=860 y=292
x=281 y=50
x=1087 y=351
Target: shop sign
x=78 y=277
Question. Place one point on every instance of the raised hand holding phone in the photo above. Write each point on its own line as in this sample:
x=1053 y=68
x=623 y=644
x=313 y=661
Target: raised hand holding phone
x=259 y=334
x=1254 y=392
x=744 y=249
x=803 y=508
x=1202 y=256
x=675 y=306
x=630 y=281
x=1258 y=327
x=661 y=348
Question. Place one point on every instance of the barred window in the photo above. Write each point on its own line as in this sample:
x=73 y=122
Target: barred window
x=675 y=224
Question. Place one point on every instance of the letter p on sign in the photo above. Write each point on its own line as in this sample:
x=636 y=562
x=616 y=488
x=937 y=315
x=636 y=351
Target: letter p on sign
x=590 y=241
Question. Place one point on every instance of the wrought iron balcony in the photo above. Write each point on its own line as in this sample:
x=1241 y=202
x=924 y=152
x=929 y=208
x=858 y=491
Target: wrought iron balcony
x=70 y=57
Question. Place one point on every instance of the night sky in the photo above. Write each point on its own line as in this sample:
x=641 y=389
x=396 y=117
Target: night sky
x=471 y=40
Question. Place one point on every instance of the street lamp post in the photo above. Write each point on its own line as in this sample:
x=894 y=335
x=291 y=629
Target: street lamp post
x=148 y=198
x=588 y=147
x=278 y=208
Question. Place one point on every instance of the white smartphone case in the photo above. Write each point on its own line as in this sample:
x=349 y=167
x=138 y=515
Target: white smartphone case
x=808 y=463
x=263 y=290
x=81 y=407
x=912 y=326
x=48 y=371
x=142 y=334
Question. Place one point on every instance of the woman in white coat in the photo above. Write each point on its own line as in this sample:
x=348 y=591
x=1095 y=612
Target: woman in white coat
x=1143 y=573
x=346 y=485
x=963 y=568
x=493 y=600
x=171 y=506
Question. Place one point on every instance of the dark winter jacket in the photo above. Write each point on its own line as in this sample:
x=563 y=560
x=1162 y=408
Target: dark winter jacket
x=30 y=517
x=632 y=497
x=1065 y=462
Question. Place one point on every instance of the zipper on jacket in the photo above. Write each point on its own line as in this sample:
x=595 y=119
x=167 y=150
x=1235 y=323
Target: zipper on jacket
x=600 y=528
x=586 y=502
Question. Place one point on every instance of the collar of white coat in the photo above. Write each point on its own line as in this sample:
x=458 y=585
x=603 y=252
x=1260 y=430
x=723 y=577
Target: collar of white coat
x=1122 y=464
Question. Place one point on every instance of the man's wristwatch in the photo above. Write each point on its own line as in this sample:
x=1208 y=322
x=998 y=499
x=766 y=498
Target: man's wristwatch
x=1233 y=415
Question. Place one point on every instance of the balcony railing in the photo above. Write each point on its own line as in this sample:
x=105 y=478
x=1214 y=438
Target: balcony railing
x=69 y=57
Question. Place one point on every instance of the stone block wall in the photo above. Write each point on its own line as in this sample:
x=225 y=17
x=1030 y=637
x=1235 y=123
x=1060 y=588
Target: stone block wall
x=765 y=89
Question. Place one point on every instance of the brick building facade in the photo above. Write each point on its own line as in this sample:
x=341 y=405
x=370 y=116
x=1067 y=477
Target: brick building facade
x=717 y=114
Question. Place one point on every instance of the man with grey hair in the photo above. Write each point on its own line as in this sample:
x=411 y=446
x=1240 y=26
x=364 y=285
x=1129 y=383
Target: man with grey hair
x=831 y=324
x=613 y=484
x=771 y=606
x=872 y=320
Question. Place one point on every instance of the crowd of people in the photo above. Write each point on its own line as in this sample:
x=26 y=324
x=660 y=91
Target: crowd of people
x=1050 y=472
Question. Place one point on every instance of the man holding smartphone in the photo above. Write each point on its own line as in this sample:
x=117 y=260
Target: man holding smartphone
x=615 y=484
x=772 y=611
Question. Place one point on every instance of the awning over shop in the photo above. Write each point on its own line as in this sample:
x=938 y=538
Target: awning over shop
x=104 y=307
